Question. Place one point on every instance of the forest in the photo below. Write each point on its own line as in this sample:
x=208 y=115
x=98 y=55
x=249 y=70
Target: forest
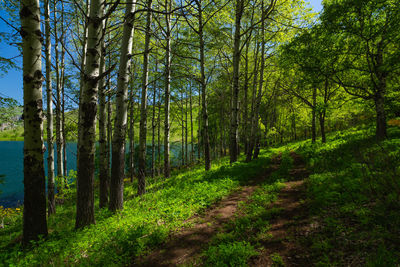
x=201 y=133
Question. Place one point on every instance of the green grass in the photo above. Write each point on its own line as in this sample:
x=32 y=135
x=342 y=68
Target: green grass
x=143 y=224
x=241 y=237
x=16 y=134
x=355 y=193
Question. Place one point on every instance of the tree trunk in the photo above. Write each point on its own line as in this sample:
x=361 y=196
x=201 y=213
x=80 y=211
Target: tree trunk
x=103 y=157
x=34 y=217
x=62 y=100
x=252 y=140
x=204 y=112
x=182 y=134
x=121 y=113
x=50 y=145
x=153 y=128
x=235 y=90
x=313 y=120
x=143 y=107
x=245 y=104
x=87 y=121
x=256 y=126
x=109 y=134
x=381 y=132
x=159 y=136
x=186 y=131
x=191 y=125
x=322 y=126
x=199 y=130
x=59 y=142
x=167 y=163
x=132 y=132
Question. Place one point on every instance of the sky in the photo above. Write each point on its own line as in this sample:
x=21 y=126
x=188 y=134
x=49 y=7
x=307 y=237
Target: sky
x=11 y=82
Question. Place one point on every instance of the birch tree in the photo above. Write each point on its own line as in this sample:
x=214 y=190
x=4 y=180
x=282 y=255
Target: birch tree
x=143 y=106
x=34 y=217
x=50 y=145
x=87 y=118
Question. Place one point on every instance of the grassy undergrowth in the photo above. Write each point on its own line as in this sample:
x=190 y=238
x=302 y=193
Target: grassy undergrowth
x=144 y=223
x=243 y=236
x=355 y=193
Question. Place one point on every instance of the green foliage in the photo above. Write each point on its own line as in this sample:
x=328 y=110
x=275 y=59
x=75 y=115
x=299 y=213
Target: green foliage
x=241 y=236
x=354 y=191
x=277 y=260
x=230 y=254
x=284 y=167
x=144 y=223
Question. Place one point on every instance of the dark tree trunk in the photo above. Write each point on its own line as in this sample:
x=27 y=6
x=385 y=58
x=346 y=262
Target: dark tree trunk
x=159 y=136
x=204 y=111
x=186 y=131
x=143 y=108
x=87 y=120
x=153 y=129
x=103 y=158
x=191 y=125
x=251 y=133
x=50 y=143
x=322 y=126
x=235 y=90
x=132 y=132
x=313 y=119
x=381 y=132
x=167 y=93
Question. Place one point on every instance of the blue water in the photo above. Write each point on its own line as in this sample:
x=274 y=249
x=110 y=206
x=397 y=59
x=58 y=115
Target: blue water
x=11 y=165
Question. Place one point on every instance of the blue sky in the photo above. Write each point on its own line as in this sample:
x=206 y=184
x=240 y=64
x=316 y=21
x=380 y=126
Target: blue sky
x=11 y=83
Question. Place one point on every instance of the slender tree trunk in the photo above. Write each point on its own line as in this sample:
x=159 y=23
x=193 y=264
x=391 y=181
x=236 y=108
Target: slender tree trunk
x=143 y=107
x=381 y=132
x=204 y=111
x=186 y=131
x=235 y=90
x=103 y=157
x=59 y=142
x=159 y=136
x=199 y=130
x=322 y=126
x=153 y=128
x=83 y=60
x=62 y=100
x=87 y=121
x=191 y=125
x=252 y=140
x=109 y=135
x=34 y=217
x=260 y=88
x=50 y=145
x=121 y=113
x=313 y=119
x=245 y=104
x=167 y=163
x=132 y=132
x=182 y=134
x=65 y=138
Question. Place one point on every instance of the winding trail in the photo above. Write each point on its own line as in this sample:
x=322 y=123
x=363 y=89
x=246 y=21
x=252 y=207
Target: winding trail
x=186 y=244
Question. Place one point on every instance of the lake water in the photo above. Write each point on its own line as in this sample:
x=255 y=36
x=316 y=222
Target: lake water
x=11 y=165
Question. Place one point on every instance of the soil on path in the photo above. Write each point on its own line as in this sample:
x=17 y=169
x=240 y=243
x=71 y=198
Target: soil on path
x=185 y=245
x=290 y=224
